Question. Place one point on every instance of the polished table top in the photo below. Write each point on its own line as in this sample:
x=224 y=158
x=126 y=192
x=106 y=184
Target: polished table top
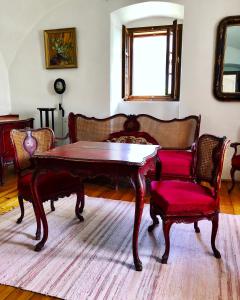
x=133 y=154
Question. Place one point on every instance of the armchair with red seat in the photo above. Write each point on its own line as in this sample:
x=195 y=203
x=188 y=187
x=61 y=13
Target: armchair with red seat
x=53 y=185
x=178 y=201
x=235 y=164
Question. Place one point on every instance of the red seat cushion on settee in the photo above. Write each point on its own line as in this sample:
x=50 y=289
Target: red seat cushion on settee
x=176 y=162
x=52 y=183
x=176 y=197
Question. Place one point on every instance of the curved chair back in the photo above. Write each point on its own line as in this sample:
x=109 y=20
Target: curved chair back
x=210 y=156
x=27 y=142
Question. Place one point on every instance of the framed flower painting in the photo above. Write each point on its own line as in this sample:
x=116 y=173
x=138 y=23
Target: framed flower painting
x=60 y=48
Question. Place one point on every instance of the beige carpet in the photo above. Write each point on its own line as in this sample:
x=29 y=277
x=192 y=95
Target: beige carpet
x=93 y=259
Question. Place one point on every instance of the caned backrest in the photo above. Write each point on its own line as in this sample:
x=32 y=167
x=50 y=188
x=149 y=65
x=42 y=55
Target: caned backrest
x=171 y=134
x=210 y=156
x=82 y=128
x=27 y=142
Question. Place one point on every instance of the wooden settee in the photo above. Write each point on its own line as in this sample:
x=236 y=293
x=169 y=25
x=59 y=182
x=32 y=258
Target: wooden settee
x=177 y=137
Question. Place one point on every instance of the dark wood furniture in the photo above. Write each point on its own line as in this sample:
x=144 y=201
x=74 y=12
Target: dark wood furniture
x=235 y=164
x=178 y=201
x=177 y=137
x=7 y=123
x=52 y=186
x=9 y=117
x=46 y=111
x=84 y=159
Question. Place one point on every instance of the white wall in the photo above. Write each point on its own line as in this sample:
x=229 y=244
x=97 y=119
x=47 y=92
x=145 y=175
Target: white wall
x=199 y=36
x=5 y=103
x=88 y=89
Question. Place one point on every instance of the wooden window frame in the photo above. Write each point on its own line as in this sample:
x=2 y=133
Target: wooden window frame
x=128 y=35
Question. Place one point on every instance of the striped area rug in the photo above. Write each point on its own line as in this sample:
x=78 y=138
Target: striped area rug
x=93 y=259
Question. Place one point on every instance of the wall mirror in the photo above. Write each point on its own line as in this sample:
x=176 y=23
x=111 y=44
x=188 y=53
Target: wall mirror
x=227 y=60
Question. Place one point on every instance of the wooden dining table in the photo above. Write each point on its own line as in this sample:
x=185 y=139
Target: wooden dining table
x=85 y=159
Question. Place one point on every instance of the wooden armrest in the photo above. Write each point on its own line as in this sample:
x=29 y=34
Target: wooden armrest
x=234 y=145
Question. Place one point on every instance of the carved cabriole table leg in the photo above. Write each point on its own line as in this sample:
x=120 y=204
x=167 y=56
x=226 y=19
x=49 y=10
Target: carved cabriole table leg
x=80 y=201
x=39 y=210
x=138 y=182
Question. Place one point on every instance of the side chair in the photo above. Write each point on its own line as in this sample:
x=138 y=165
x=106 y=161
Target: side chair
x=178 y=201
x=235 y=164
x=26 y=143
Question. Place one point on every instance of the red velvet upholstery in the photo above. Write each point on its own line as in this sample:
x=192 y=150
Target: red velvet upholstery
x=175 y=197
x=176 y=163
x=53 y=184
x=178 y=201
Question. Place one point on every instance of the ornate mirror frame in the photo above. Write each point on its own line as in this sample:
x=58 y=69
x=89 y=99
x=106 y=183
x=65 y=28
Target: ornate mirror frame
x=219 y=60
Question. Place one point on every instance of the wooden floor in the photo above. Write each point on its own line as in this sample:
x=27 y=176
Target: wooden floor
x=230 y=204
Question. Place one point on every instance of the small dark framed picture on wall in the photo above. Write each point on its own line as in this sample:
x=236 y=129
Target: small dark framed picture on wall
x=60 y=48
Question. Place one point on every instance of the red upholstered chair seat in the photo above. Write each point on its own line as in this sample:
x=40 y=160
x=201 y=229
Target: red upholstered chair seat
x=176 y=162
x=52 y=183
x=175 y=197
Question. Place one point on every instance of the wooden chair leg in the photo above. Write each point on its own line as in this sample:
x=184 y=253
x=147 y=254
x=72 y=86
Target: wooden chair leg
x=38 y=231
x=213 y=236
x=78 y=207
x=232 y=172
x=197 y=229
x=21 y=204
x=82 y=200
x=1 y=171
x=52 y=205
x=166 y=230
x=154 y=218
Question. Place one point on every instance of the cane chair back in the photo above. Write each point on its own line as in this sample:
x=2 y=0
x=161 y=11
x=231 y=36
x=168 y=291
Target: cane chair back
x=28 y=142
x=171 y=134
x=82 y=128
x=210 y=156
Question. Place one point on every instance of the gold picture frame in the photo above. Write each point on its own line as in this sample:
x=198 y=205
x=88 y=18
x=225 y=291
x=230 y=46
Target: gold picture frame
x=60 y=48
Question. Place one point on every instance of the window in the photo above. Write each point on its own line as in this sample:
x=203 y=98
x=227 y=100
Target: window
x=151 y=62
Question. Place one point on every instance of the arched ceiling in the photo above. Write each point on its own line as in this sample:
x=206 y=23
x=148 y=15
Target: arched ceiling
x=149 y=9
x=17 y=18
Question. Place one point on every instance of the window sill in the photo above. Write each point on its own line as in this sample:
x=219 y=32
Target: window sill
x=150 y=98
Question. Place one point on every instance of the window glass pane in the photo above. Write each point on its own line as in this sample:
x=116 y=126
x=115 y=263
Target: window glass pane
x=170 y=41
x=169 y=84
x=149 y=66
x=229 y=83
x=170 y=63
